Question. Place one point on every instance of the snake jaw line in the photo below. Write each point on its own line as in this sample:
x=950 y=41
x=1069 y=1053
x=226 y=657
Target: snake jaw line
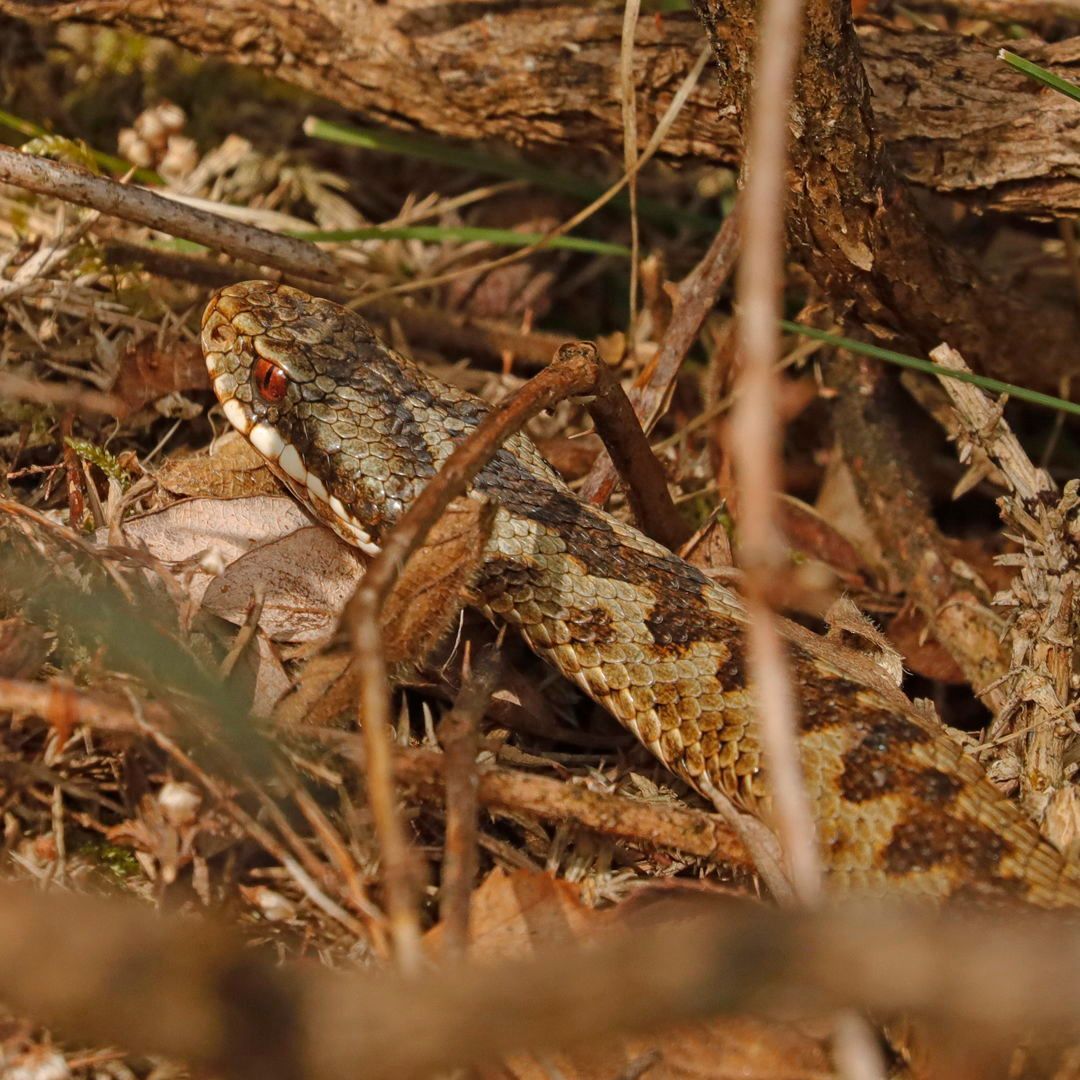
x=234 y=413
x=290 y=461
x=268 y=442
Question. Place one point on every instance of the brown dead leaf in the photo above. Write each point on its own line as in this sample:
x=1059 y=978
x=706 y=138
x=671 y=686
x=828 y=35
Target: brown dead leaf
x=516 y=915
x=325 y=689
x=150 y=372
x=922 y=652
x=23 y=648
x=233 y=471
x=431 y=591
x=270 y=681
x=838 y=504
x=305 y=579
x=812 y=536
x=227 y=527
x=570 y=458
x=710 y=548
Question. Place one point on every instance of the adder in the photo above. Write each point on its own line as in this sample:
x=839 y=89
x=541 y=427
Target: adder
x=355 y=430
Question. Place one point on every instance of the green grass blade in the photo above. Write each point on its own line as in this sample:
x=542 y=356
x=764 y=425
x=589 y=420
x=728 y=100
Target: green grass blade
x=437 y=233
x=915 y=363
x=1040 y=74
x=461 y=157
x=116 y=166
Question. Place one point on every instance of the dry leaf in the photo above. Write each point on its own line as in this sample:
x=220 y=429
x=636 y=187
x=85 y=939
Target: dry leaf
x=219 y=531
x=812 y=536
x=326 y=688
x=431 y=591
x=922 y=652
x=149 y=372
x=305 y=578
x=233 y=471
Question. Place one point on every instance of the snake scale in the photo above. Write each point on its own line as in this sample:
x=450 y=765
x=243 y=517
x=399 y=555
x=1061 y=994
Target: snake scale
x=355 y=430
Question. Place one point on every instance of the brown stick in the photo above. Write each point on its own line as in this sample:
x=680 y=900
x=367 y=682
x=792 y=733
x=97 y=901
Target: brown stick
x=1041 y=696
x=757 y=433
x=456 y=333
x=144 y=207
x=655 y=825
x=697 y=294
x=458 y=733
x=194 y=992
x=692 y=832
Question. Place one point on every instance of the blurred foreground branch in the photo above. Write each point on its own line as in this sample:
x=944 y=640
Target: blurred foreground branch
x=196 y=992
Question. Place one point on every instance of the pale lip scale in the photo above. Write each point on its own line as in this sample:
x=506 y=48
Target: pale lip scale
x=273 y=447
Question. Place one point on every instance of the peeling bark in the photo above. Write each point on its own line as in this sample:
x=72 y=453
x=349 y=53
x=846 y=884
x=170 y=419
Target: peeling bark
x=542 y=74
x=853 y=221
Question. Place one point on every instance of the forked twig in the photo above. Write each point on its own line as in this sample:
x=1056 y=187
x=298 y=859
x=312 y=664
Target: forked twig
x=697 y=294
x=576 y=369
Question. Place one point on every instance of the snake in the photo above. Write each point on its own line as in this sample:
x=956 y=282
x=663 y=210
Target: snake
x=355 y=430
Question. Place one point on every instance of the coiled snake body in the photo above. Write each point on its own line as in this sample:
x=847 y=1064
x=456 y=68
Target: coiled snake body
x=355 y=430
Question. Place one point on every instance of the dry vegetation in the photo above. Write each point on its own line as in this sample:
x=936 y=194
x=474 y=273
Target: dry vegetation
x=177 y=703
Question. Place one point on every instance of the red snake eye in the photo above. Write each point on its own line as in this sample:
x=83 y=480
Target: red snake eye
x=270 y=380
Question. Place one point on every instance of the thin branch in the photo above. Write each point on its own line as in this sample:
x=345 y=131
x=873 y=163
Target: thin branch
x=756 y=435
x=657 y=825
x=157 y=212
x=448 y=331
x=458 y=733
x=697 y=294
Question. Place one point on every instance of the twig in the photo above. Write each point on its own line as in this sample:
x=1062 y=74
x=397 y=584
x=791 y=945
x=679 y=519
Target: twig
x=628 y=99
x=640 y=470
x=458 y=735
x=1044 y=595
x=697 y=294
x=457 y=333
x=756 y=447
x=647 y=824
x=157 y=212
x=656 y=825
x=79 y=398
x=363 y=615
x=756 y=431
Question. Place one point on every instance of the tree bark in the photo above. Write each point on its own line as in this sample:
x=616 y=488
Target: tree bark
x=853 y=221
x=543 y=74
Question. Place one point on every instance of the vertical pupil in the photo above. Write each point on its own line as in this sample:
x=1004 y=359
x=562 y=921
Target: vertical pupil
x=270 y=380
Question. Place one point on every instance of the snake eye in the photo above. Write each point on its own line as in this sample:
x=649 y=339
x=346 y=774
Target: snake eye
x=270 y=380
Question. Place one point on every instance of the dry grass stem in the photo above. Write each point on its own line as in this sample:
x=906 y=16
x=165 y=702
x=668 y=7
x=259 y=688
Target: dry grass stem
x=756 y=430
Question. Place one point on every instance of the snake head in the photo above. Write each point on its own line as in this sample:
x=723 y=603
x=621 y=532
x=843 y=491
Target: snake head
x=344 y=421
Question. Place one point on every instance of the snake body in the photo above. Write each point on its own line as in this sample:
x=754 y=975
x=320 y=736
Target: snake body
x=355 y=430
